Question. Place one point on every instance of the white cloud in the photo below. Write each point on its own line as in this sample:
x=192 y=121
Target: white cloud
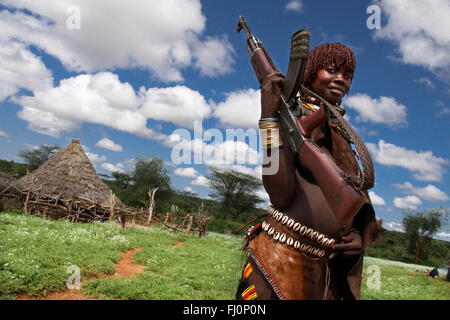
x=108 y=144
x=179 y=105
x=186 y=172
x=230 y=152
x=240 y=109
x=419 y=28
x=20 y=68
x=129 y=164
x=200 y=181
x=84 y=98
x=407 y=203
x=45 y=122
x=213 y=56
x=169 y=164
x=425 y=81
x=444 y=112
x=189 y=189
x=443 y=235
x=218 y=153
x=430 y=192
x=395 y=226
x=162 y=36
x=384 y=110
x=424 y=165
x=95 y=157
x=118 y=167
x=3 y=134
x=376 y=199
x=261 y=193
x=295 y=5
x=103 y=99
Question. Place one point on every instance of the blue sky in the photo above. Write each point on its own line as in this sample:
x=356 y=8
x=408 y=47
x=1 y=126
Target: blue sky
x=132 y=79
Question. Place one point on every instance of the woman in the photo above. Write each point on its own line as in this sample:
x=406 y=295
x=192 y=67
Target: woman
x=301 y=251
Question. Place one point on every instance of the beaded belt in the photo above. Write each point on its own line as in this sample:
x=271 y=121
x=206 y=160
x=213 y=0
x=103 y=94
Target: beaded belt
x=284 y=229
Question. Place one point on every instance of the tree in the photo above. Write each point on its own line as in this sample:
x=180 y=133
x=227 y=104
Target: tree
x=13 y=168
x=36 y=157
x=151 y=174
x=132 y=187
x=123 y=179
x=236 y=191
x=419 y=228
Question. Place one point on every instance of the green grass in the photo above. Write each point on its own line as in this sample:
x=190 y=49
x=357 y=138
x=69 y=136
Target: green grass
x=35 y=254
x=400 y=281
x=394 y=246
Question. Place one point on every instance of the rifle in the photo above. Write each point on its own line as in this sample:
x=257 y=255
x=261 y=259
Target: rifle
x=344 y=199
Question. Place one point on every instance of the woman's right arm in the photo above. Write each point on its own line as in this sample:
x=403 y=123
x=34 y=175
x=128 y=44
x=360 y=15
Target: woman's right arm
x=281 y=185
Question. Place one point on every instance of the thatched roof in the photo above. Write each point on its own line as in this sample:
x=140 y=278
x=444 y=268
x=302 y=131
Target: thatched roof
x=5 y=180
x=68 y=174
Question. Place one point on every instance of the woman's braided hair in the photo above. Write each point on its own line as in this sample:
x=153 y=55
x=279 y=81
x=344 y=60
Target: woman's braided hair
x=325 y=55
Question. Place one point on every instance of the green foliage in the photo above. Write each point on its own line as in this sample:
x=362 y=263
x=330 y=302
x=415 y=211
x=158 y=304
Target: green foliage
x=35 y=254
x=132 y=188
x=394 y=246
x=235 y=190
x=419 y=228
x=13 y=168
x=400 y=281
x=226 y=226
x=36 y=157
x=151 y=173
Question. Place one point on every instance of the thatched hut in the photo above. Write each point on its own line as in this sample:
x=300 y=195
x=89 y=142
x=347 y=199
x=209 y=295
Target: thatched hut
x=67 y=186
x=5 y=180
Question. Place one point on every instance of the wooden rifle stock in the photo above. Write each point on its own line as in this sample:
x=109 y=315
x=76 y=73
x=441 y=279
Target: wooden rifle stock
x=344 y=200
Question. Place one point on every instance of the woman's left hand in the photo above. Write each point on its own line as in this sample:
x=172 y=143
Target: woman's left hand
x=351 y=245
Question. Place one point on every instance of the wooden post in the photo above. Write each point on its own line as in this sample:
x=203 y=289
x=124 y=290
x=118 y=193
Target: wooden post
x=191 y=220
x=111 y=206
x=123 y=219
x=70 y=208
x=151 y=205
x=25 y=205
x=167 y=219
x=202 y=220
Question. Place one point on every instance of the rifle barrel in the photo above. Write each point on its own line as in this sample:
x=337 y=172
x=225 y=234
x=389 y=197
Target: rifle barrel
x=242 y=24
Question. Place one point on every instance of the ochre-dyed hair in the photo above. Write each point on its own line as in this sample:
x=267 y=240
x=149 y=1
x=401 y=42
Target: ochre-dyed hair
x=328 y=54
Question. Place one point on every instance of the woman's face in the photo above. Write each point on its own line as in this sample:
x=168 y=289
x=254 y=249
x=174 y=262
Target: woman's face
x=332 y=83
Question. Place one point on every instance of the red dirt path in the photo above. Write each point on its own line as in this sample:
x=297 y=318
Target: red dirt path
x=124 y=268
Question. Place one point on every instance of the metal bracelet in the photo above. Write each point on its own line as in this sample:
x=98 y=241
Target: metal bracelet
x=262 y=120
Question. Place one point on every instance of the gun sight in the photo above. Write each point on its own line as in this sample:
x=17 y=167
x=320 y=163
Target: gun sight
x=242 y=24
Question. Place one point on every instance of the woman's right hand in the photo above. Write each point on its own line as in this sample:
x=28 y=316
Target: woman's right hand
x=271 y=94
